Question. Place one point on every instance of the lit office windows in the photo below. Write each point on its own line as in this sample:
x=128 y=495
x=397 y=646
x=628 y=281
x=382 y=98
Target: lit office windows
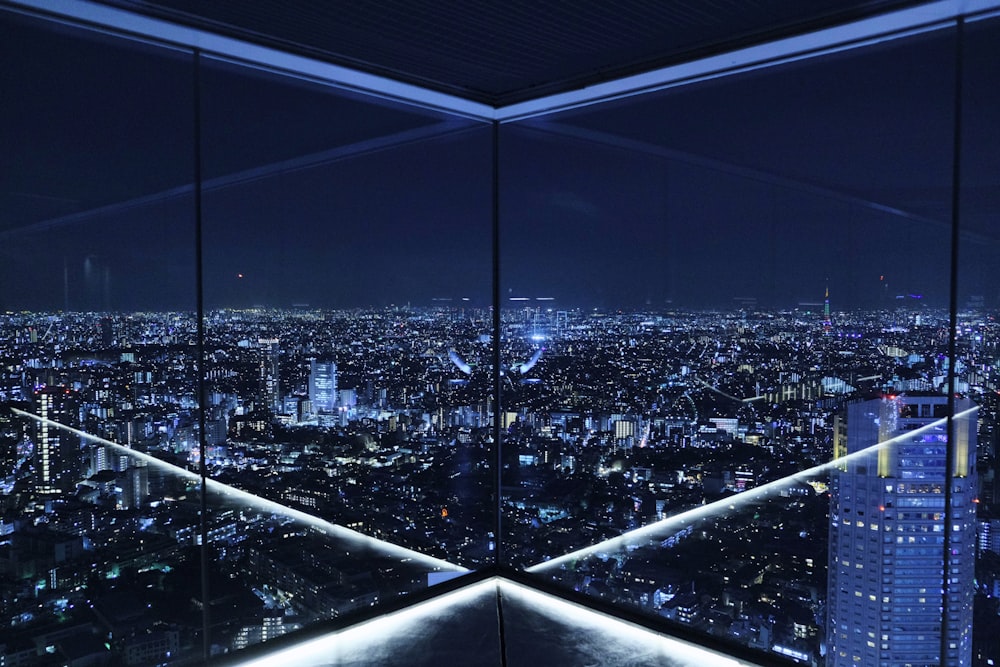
x=731 y=324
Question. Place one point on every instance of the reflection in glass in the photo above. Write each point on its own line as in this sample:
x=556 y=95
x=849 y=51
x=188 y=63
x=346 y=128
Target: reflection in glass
x=345 y=266
x=977 y=333
x=98 y=391
x=731 y=387
x=731 y=281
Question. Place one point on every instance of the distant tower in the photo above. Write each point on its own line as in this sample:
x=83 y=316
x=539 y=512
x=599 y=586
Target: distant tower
x=826 y=308
x=323 y=385
x=887 y=525
x=269 y=385
x=57 y=452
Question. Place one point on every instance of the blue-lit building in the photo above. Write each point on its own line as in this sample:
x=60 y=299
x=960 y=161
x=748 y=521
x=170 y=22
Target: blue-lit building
x=202 y=204
x=323 y=385
x=888 y=533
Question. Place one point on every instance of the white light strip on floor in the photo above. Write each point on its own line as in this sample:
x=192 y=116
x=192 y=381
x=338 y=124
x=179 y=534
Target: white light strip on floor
x=226 y=492
x=662 y=529
x=360 y=643
x=892 y=25
x=602 y=629
x=357 y=643
x=121 y=20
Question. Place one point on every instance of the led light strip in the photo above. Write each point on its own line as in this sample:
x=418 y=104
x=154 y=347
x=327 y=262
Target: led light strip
x=335 y=531
x=164 y=31
x=892 y=25
x=359 y=640
x=633 y=639
x=672 y=524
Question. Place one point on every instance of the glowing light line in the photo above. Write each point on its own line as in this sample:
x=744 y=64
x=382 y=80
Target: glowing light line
x=355 y=642
x=232 y=493
x=640 y=536
x=628 y=637
x=718 y=391
x=928 y=17
x=123 y=22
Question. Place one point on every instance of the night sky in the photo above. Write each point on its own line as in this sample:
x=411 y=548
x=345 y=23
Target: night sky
x=767 y=185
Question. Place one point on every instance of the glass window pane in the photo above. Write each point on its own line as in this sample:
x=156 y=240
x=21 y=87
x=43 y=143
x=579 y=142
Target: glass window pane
x=744 y=278
x=977 y=334
x=97 y=342
x=346 y=265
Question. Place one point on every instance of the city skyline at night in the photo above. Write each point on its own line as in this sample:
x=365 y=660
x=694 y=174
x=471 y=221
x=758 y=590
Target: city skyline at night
x=409 y=454
x=289 y=347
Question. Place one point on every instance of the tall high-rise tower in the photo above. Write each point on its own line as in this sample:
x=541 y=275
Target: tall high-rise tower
x=827 y=323
x=57 y=455
x=887 y=530
x=323 y=385
x=269 y=381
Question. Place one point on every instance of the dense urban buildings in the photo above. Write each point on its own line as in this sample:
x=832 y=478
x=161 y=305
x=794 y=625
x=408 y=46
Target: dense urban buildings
x=736 y=406
x=286 y=345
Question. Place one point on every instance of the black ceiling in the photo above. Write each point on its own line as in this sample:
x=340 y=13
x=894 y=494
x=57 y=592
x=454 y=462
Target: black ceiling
x=505 y=51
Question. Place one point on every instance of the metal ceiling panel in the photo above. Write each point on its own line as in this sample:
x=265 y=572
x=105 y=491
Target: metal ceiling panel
x=501 y=53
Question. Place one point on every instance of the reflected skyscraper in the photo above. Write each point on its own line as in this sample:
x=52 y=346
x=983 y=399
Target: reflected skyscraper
x=887 y=531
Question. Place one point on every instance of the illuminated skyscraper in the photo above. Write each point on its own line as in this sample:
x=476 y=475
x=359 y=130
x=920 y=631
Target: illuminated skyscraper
x=826 y=309
x=57 y=453
x=269 y=380
x=323 y=385
x=887 y=528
